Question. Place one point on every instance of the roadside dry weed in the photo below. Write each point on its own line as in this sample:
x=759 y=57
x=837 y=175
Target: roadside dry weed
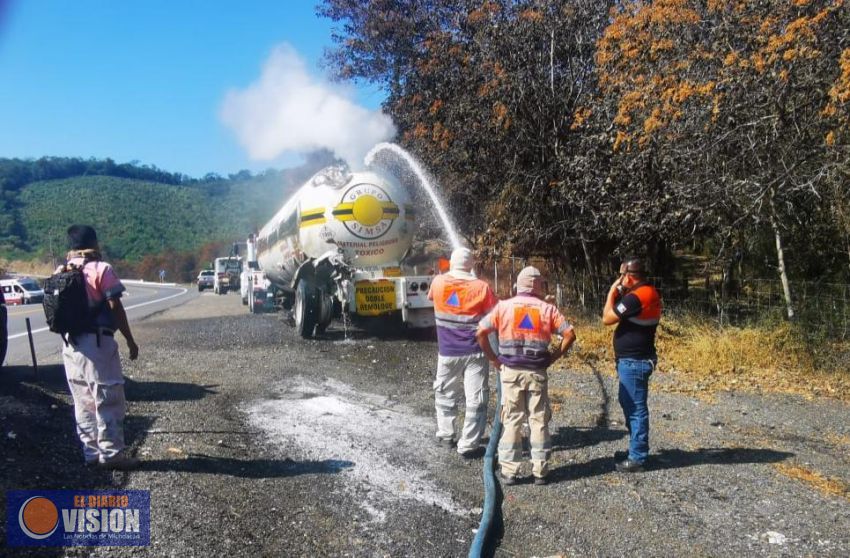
x=824 y=484
x=701 y=359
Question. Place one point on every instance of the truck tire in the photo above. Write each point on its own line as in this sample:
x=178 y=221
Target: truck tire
x=305 y=309
x=324 y=311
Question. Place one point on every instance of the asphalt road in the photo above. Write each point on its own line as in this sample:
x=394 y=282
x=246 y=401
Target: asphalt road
x=140 y=301
x=257 y=443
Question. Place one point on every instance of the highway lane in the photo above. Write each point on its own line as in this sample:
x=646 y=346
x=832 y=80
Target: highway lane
x=140 y=300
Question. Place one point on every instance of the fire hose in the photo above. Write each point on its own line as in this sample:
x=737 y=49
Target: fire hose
x=483 y=535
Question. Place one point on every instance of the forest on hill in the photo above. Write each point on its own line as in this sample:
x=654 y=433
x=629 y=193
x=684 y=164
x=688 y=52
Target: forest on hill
x=583 y=130
x=138 y=211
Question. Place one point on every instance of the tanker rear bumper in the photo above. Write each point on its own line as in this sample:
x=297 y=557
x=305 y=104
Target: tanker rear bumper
x=384 y=296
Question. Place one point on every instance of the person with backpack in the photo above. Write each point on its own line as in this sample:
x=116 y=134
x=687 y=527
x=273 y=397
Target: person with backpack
x=83 y=304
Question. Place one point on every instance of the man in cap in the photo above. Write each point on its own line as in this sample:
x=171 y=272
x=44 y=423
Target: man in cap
x=92 y=363
x=460 y=301
x=635 y=306
x=525 y=325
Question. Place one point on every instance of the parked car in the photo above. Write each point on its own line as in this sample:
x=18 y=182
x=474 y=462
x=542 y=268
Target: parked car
x=4 y=341
x=206 y=279
x=21 y=290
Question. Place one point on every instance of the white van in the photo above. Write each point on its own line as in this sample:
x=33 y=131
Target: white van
x=21 y=290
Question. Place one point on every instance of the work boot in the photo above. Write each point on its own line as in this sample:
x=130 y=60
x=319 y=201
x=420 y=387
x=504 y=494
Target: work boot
x=506 y=480
x=472 y=453
x=120 y=462
x=447 y=443
x=630 y=466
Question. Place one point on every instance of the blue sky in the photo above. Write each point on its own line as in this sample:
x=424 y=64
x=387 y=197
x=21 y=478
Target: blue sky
x=145 y=80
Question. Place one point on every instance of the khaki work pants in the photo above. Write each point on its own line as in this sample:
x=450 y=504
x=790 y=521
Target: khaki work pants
x=97 y=387
x=525 y=397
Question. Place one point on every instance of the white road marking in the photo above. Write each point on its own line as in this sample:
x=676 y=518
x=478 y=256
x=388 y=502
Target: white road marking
x=181 y=293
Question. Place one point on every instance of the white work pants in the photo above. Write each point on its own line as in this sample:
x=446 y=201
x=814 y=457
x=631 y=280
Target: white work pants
x=458 y=378
x=97 y=387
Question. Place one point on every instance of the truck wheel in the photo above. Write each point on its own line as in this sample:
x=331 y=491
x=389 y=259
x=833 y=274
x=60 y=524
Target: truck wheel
x=305 y=309
x=325 y=311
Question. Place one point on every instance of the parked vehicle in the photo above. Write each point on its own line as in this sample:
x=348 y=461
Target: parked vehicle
x=338 y=245
x=227 y=272
x=206 y=280
x=4 y=339
x=21 y=290
x=256 y=289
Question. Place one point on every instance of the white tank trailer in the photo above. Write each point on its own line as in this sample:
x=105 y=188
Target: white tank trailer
x=339 y=244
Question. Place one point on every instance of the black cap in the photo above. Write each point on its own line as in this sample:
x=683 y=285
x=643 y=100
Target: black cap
x=633 y=265
x=81 y=237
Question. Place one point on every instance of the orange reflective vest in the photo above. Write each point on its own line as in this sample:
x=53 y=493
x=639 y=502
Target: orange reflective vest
x=459 y=304
x=525 y=325
x=639 y=311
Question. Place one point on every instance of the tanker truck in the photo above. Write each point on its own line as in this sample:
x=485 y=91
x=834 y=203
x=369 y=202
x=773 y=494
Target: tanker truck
x=337 y=247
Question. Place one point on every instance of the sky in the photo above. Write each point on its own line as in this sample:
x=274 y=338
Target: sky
x=189 y=86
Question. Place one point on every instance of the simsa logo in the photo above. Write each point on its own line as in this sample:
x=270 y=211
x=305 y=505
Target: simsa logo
x=78 y=518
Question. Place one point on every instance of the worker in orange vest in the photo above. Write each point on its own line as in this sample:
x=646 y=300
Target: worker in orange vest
x=635 y=306
x=460 y=301
x=525 y=325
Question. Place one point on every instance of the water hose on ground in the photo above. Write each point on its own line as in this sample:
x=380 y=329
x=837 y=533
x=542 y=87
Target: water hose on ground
x=490 y=487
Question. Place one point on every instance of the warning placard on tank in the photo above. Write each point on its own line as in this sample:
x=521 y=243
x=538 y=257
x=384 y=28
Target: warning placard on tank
x=374 y=298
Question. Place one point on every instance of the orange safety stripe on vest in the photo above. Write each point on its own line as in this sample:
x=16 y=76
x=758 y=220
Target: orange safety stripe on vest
x=650 y=306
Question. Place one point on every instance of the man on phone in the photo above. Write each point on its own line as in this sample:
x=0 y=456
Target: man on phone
x=635 y=306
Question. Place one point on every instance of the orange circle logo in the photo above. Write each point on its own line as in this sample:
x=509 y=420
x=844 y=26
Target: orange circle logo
x=38 y=517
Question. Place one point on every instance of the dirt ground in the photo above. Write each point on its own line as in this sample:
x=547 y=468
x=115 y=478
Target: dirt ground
x=256 y=443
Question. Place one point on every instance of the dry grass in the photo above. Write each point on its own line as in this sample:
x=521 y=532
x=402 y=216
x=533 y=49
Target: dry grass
x=26 y=267
x=702 y=359
x=826 y=485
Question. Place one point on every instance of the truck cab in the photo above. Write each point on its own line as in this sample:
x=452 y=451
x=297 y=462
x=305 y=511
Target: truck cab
x=227 y=274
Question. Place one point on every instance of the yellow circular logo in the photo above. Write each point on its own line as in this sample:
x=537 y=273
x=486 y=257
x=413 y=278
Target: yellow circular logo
x=367 y=210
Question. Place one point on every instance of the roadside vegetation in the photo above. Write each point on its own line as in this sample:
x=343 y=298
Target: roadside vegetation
x=138 y=211
x=699 y=358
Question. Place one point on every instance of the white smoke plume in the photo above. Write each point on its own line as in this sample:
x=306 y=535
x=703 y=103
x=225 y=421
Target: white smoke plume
x=287 y=109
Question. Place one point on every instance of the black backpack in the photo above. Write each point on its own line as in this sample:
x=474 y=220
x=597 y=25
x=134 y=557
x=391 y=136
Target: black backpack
x=66 y=303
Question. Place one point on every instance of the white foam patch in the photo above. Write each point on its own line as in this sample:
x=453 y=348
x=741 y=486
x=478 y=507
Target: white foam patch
x=383 y=441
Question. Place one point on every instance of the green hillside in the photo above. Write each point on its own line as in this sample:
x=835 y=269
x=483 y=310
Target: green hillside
x=145 y=213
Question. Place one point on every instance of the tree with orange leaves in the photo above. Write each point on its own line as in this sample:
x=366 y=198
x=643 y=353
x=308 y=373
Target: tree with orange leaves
x=739 y=100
